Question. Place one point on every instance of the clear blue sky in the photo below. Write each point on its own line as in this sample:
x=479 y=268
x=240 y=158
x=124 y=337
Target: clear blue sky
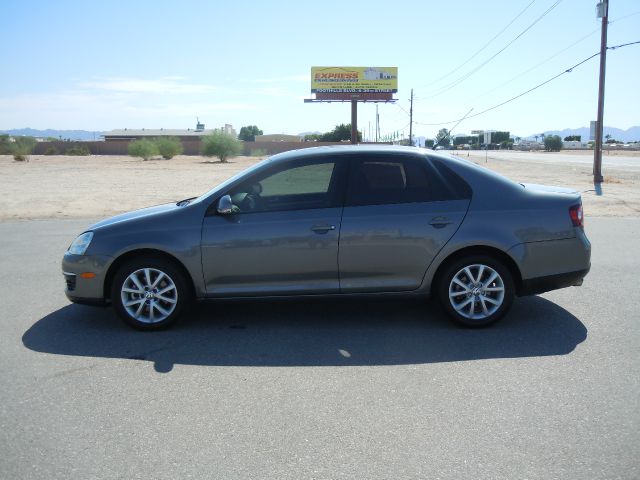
x=103 y=65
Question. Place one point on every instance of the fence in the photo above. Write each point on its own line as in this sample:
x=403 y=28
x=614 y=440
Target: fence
x=191 y=147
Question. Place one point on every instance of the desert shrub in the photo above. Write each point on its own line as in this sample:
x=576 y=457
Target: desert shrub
x=51 y=151
x=221 y=145
x=79 y=150
x=22 y=147
x=143 y=148
x=168 y=147
x=259 y=152
x=5 y=145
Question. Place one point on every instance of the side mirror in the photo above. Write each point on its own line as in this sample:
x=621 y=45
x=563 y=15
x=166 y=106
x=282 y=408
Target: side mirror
x=225 y=206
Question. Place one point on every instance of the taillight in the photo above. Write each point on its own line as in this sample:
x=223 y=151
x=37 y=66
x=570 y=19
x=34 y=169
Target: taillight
x=577 y=216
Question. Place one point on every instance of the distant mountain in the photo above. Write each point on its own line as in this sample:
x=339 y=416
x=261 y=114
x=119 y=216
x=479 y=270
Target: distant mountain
x=630 y=135
x=64 y=134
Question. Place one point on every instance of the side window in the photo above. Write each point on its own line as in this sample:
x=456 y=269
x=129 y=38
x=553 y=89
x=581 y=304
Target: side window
x=379 y=181
x=449 y=185
x=288 y=187
x=299 y=180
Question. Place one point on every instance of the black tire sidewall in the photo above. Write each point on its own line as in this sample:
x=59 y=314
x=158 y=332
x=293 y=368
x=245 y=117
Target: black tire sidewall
x=454 y=267
x=165 y=266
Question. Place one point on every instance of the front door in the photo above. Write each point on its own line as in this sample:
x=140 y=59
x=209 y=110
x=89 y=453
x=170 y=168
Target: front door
x=283 y=235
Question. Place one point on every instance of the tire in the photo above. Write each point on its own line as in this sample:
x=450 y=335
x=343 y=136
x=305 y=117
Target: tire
x=472 y=301
x=149 y=293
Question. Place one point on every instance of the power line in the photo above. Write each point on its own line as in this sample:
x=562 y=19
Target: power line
x=461 y=79
x=548 y=59
x=481 y=48
x=568 y=70
x=625 y=16
x=537 y=65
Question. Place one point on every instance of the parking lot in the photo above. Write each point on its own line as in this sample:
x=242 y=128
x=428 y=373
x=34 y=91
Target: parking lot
x=348 y=389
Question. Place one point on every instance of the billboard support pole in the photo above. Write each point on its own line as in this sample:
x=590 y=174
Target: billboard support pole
x=354 y=121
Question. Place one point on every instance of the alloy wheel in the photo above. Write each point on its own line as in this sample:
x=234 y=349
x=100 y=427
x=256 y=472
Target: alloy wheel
x=149 y=295
x=476 y=291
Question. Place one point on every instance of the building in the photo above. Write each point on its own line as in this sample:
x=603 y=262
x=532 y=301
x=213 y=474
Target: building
x=182 y=134
x=278 y=137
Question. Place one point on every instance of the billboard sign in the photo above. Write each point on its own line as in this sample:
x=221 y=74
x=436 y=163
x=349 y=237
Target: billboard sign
x=341 y=80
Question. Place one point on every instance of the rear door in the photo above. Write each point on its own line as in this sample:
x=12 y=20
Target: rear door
x=399 y=212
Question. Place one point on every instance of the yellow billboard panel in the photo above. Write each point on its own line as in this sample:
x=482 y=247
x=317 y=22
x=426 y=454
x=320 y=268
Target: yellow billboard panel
x=354 y=79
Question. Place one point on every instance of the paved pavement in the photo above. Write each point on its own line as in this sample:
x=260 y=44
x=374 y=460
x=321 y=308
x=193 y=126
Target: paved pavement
x=617 y=161
x=319 y=389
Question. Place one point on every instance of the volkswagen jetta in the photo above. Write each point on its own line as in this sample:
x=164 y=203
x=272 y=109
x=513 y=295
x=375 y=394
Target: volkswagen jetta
x=343 y=221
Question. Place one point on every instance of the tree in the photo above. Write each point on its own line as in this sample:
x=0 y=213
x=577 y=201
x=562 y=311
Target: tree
x=340 y=133
x=221 y=145
x=428 y=143
x=248 y=134
x=143 y=148
x=168 y=147
x=552 y=143
x=573 y=138
x=443 y=138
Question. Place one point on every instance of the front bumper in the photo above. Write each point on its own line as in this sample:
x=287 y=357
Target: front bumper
x=79 y=289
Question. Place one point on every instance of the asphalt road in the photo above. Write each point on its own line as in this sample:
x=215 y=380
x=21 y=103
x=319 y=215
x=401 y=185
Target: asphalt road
x=618 y=161
x=324 y=390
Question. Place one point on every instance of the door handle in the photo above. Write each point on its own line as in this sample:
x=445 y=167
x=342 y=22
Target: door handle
x=323 y=228
x=440 y=222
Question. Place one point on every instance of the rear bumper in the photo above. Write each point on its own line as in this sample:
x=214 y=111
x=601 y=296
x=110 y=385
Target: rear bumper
x=547 y=283
x=552 y=264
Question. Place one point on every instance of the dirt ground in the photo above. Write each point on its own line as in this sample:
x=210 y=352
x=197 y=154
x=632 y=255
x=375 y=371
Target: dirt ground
x=99 y=186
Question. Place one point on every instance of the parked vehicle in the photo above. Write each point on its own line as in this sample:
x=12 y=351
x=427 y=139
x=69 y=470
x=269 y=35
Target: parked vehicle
x=338 y=221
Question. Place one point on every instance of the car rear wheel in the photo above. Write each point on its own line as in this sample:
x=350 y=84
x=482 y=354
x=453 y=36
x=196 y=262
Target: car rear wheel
x=476 y=291
x=149 y=293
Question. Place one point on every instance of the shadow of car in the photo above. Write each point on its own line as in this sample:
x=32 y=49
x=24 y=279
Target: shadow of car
x=309 y=333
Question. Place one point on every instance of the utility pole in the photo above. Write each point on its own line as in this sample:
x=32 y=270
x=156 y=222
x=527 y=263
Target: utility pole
x=411 y=121
x=377 y=123
x=603 y=11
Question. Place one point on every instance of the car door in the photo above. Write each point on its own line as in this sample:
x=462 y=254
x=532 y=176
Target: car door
x=283 y=235
x=399 y=212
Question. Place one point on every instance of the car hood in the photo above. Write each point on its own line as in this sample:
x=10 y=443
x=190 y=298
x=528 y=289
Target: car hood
x=548 y=188
x=135 y=214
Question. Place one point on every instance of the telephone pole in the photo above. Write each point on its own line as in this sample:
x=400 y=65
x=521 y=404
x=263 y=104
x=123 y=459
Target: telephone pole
x=377 y=123
x=411 y=121
x=603 y=11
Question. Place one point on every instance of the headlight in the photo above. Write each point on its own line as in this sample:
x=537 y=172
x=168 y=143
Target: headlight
x=80 y=244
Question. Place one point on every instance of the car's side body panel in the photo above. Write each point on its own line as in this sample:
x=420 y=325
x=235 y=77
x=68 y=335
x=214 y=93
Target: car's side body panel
x=271 y=253
x=389 y=247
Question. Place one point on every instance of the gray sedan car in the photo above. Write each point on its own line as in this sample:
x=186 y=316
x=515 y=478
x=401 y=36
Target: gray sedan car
x=338 y=221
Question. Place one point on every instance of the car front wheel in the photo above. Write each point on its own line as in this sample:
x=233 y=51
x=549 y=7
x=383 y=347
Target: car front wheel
x=476 y=291
x=149 y=293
